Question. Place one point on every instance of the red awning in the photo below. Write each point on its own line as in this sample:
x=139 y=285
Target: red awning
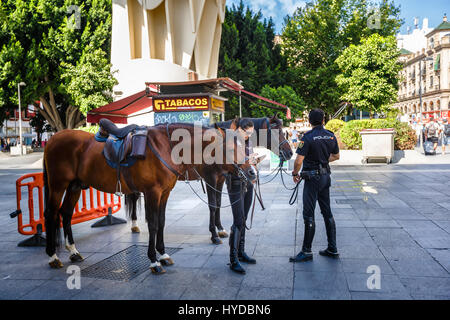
x=237 y=89
x=118 y=111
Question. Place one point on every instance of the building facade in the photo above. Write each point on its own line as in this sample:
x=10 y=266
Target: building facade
x=424 y=88
x=417 y=39
x=164 y=41
x=9 y=129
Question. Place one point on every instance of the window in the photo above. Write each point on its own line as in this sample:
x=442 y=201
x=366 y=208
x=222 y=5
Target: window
x=431 y=81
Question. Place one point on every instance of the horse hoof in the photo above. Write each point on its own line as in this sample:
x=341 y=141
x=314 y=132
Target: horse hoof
x=135 y=230
x=76 y=257
x=157 y=270
x=223 y=234
x=166 y=262
x=56 y=264
x=216 y=240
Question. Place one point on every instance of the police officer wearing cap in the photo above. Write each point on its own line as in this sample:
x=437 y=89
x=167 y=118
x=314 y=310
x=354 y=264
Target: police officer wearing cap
x=316 y=149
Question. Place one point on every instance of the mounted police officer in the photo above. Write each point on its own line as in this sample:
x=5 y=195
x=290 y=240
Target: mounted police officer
x=241 y=199
x=316 y=149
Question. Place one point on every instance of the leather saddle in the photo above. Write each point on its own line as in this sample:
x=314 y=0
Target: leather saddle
x=123 y=146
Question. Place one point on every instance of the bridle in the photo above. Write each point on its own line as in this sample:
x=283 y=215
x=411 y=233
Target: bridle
x=282 y=154
x=244 y=178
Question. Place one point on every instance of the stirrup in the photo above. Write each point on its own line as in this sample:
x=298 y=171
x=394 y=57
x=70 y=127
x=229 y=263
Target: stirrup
x=118 y=189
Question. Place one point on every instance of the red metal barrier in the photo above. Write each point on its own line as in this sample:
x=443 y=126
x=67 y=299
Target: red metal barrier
x=92 y=207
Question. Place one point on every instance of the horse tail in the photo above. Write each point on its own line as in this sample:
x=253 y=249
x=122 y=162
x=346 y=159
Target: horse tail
x=132 y=202
x=50 y=222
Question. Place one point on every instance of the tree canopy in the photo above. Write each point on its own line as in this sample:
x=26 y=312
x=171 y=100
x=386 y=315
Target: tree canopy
x=316 y=35
x=248 y=53
x=62 y=56
x=370 y=73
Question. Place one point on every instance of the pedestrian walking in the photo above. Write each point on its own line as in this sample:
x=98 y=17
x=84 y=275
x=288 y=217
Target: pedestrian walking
x=432 y=133
x=445 y=135
x=294 y=137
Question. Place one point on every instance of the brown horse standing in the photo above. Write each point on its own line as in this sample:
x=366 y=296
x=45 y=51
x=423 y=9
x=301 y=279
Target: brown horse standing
x=73 y=160
x=269 y=128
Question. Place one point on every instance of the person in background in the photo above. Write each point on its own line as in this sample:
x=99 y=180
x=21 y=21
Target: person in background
x=445 y=133
x=432 y=132
x=295 y=137
x=418 y=128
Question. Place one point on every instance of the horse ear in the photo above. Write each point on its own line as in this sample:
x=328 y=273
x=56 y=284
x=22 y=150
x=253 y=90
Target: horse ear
x=216 y=126
x=235 y=123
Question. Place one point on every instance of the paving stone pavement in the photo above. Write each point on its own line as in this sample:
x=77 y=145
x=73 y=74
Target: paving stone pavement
x=393 y=217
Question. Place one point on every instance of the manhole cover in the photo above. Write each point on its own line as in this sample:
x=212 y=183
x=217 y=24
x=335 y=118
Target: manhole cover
x=350 y=201
x=124 y=265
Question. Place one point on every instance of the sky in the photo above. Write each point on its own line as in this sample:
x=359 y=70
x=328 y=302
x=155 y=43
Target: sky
x=432 y=9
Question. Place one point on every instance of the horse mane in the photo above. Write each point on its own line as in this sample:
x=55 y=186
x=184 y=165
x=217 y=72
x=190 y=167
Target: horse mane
x=257 y=123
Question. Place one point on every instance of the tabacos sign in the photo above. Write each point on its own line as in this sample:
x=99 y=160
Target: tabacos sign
x=180 y=104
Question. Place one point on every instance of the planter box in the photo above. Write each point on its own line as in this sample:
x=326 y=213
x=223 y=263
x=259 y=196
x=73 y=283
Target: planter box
x=377 y=144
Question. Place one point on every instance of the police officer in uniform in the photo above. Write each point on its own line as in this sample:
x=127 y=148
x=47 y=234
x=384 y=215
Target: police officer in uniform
x=316 y=149
x=241 y=199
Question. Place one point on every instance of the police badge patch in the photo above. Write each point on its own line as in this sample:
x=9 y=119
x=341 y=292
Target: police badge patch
x=300 y=144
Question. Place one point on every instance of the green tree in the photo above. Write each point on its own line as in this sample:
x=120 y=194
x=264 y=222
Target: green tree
x=370 y=73
x=248 y=53
x=316 y=35
x=64 y=61
x=284 y=95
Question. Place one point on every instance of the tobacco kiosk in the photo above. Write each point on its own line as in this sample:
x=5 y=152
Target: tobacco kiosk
x=190 y=101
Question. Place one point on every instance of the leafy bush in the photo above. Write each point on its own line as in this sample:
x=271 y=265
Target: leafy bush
x=91 y=129
x=334 y=125
x=404 y=139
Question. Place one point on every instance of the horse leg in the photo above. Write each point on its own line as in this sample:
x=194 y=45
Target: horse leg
x=165 y=259
x=132 y=201
x=222 y=232
x=52 y=226
x=70 y=200
x=212 y=201
x=152 y=209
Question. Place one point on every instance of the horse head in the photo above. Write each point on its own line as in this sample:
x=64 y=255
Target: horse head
x=235 y=160
x=274 y=125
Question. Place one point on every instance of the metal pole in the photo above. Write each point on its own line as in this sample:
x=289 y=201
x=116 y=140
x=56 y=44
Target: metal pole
x=20 y=118
x=240 y=108
x=20 y=122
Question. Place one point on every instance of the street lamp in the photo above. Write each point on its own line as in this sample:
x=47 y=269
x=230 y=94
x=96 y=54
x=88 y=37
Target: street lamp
x=240 y=108
x=20 y=117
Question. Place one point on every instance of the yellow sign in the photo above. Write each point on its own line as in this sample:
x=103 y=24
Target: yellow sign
x=217 y=104
x=180 y=104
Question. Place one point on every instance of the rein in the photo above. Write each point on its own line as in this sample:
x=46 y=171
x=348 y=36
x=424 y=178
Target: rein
x=241 y=173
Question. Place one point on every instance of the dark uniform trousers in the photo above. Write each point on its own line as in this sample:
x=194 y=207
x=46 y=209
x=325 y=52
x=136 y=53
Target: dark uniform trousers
x=317 y=189
x=240 y=208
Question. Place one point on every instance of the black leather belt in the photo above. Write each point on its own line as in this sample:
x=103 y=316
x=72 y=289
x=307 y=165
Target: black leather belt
x=311 y=173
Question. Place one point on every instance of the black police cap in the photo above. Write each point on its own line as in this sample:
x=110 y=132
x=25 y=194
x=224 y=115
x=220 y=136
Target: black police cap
x=316 y=117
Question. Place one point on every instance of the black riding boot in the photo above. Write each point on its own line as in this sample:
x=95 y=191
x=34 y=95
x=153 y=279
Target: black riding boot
x=234 y=243
x=331 y=251
x=243 y=257
x=306 y=253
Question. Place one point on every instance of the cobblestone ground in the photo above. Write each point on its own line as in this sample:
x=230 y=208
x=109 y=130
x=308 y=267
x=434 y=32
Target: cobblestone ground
x=394 y=217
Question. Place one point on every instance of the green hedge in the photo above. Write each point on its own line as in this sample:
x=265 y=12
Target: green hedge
x=404 y=139
x=334 y=125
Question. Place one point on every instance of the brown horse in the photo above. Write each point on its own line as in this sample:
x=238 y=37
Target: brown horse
x=73 y=160
x=267 y=130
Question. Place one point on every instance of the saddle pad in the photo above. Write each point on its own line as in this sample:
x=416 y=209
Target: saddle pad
x=113 y=153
